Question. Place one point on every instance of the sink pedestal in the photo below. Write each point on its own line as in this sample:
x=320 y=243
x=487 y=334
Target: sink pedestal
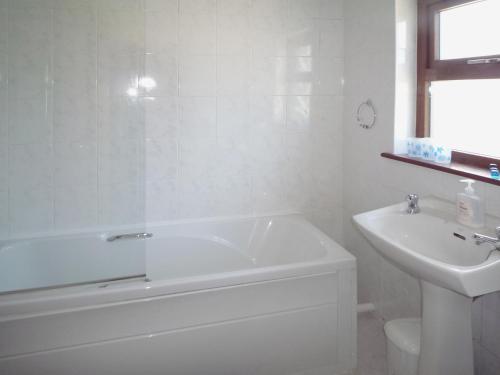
x=446 y=342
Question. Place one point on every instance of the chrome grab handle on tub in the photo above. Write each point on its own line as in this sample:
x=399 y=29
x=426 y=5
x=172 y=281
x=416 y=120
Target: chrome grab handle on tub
x=129 y=236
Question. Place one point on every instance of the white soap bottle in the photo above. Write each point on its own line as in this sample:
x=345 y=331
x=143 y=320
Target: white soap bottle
x=470 y=209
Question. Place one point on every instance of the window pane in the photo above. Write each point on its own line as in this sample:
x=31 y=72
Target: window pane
x=470 y=30
x=466 y=115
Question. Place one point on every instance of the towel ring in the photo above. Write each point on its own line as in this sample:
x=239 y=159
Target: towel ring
x=366 y=115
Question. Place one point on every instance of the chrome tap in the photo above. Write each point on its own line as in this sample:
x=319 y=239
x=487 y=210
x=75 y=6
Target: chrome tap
x=413 y=207
x=481 y=238
x=137 y=236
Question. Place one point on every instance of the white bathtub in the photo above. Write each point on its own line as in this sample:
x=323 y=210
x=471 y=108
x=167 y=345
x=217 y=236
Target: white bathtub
x=269 y=295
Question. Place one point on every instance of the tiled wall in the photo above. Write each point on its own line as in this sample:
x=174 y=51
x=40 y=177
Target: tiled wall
x=126 y=111
x=371 y=182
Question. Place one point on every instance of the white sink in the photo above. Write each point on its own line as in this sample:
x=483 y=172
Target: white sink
x=451 y=268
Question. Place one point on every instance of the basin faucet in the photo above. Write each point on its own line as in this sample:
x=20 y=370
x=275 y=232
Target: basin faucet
x=413 y=208
x=481 y=238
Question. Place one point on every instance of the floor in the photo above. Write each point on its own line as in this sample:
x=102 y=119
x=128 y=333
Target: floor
x=371 y=345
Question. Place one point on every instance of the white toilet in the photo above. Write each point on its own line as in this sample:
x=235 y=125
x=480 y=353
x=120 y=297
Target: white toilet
x=403 y=346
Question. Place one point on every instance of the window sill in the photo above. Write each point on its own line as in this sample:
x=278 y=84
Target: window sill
x=455 y=168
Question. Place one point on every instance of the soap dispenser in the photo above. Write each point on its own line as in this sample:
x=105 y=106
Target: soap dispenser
x=470 y=211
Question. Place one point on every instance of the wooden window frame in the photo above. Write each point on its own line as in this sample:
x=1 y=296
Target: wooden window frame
x=429 y=69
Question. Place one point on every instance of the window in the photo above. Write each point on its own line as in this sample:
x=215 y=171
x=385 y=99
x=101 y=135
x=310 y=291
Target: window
x=458 y=99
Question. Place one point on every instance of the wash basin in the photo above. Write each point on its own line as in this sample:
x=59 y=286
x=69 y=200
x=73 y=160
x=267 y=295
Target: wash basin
x=451 y=269
x=433 y=247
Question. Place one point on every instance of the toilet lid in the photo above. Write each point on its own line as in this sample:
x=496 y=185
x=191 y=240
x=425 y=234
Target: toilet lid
x=405 y=334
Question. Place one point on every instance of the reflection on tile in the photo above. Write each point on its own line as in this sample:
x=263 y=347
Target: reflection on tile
x=161 y=77
x=302 y=37
x=298 y=113
x=118 y=75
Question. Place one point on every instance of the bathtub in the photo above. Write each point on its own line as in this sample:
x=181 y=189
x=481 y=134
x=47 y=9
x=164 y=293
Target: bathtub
x=258 y=295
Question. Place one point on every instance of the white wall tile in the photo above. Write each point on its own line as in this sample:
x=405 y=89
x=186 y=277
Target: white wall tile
x=268 y=76
x=161 y=117
x=161 y=159
x=121 y=118
x=267 y=112
x=4 y=118
x=197 y=118
x=29 y=55
x=197 y=75
x=121 y=162
x=76 y=206
x=4 y=167
x=29 y=121
x=122 y=204
x=197 y=27
x=233 y=121
x=145 y=110
x=31 y=211
x=75 y=164
x=4 y=214
x=331 y=37
x=30 y=166
x=161 y=201
x=233 y=27
x=171 y=6
x=161 y=27
x=233 y=75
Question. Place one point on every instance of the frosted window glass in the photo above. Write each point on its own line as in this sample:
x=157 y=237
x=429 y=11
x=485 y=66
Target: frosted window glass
x=466 y=115
x=470 y=30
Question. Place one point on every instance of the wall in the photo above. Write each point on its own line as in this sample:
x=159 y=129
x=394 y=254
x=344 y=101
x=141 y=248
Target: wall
x=127 y=111
x=370 y=181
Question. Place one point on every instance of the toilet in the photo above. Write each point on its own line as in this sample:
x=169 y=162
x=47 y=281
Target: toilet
x=403 y=346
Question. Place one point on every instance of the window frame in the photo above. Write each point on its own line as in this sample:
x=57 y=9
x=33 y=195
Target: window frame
x=431 y=69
